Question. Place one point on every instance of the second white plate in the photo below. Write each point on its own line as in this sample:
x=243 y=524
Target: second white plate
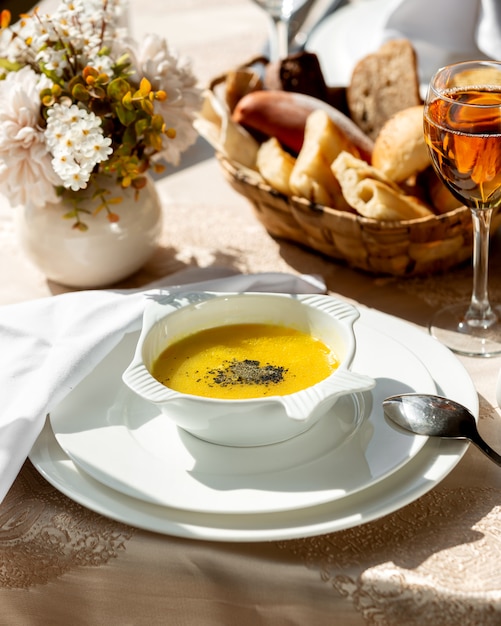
x=435 y=461
x=127 y=444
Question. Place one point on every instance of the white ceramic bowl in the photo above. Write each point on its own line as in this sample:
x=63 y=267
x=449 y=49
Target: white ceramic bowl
x=255 y=421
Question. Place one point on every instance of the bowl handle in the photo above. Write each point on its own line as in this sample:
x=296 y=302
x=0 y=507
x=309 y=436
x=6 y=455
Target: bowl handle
x=300 y=406
x=337 y=308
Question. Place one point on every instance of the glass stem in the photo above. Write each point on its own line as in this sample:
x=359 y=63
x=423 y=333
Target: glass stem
x=279 y=44
x=480 y=311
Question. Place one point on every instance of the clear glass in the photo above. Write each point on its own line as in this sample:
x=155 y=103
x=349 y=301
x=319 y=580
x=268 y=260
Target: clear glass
x=280 y=12
x=462 y=126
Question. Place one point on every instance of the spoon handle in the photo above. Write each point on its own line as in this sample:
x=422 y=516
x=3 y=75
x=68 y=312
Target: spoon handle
x=485 y=447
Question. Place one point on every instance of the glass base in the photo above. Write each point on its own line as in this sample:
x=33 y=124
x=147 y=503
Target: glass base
x=467 y=337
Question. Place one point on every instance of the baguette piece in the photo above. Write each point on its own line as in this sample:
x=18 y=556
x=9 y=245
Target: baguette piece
x=311 y=176
x=383 y=83
x=275 y=165
x=372 y=194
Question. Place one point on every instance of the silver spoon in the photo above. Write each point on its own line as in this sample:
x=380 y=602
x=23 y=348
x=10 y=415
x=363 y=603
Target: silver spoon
x=436 y=416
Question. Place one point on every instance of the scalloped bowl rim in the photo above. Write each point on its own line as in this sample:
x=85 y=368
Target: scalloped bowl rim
x=170 y=317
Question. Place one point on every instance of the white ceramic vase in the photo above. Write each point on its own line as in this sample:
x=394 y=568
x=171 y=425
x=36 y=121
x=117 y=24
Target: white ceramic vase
x=100 y=256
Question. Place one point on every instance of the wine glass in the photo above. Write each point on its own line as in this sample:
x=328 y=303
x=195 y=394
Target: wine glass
x=280 y=12
x=462 y=127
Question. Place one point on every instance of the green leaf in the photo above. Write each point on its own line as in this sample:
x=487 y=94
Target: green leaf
x=47 y=100
x=100 y=192
x=10 y=66
x=141 y=126
x=79 y=92
x=155 y=141
x=76 y=80
x=129 y=138
x=157 y=123
x=127 y=101
x=105 y=51
x=147 y=107
x=99 y=208
x=97 y=92
x=117 y=89
x=144 y=87
x=126 y=117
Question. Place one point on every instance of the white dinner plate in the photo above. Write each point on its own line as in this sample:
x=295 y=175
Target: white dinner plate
x=127 y=444
x=425 y=470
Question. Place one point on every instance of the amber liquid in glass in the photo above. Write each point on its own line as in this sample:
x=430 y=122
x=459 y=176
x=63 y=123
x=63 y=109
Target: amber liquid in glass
x=465 y=143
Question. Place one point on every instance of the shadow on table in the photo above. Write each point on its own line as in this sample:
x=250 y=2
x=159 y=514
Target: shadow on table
x=198 y=152
x=432 y=553
x=163 y=263
x=410 y=298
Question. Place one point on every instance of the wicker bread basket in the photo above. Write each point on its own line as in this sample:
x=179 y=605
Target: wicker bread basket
x=399 y=248
x=415 y=247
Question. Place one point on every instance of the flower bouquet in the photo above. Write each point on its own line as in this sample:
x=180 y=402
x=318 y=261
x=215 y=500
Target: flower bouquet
x=81 y=102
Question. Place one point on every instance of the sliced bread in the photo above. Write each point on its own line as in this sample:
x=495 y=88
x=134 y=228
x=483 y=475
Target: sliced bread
x=382 y=84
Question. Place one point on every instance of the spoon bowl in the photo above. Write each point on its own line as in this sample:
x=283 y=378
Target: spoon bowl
x=436 y=416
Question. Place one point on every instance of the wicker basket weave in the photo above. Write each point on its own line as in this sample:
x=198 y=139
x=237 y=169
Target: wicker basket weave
x=415 y=247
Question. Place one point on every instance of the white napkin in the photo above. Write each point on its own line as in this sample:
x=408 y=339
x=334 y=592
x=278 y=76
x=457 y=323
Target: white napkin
x=50 y=344
x=446 y=31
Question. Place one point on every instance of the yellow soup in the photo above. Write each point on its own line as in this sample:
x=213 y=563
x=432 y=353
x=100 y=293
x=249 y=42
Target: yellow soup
x=244 y=361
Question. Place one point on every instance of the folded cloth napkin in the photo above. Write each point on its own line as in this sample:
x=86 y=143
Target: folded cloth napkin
x=51 y=344
x=446 y=31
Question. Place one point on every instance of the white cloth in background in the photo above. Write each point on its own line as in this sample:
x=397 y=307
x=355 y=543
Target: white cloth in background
x=49 y=345
x=446 y=31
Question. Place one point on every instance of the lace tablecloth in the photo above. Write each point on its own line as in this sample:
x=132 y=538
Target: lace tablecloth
x=434 y=561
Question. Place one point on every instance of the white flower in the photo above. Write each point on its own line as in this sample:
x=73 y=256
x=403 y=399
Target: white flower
x=54 y=60
x=167 y=72
x=82 y=26
x=75 y=138
x=103 y=63
x=26 y=174
x=79 y=105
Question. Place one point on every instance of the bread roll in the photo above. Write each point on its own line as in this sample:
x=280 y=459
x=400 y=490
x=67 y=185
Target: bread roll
x=383 y=83
x=400 y=149
x=312 y=177
x=372 y=194
x=275 y=165
x=440 y=197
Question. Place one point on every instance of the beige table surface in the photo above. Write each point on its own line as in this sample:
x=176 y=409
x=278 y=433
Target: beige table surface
x=436 y=561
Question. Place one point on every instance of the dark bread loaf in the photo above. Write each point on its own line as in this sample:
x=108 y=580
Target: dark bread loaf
x=382 y=84
x=302 y=73
x=298 y=72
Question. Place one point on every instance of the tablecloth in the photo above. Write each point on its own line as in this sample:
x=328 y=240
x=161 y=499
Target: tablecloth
x=434 y=561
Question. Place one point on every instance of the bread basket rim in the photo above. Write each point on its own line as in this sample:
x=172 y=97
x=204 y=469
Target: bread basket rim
x=250 y=177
